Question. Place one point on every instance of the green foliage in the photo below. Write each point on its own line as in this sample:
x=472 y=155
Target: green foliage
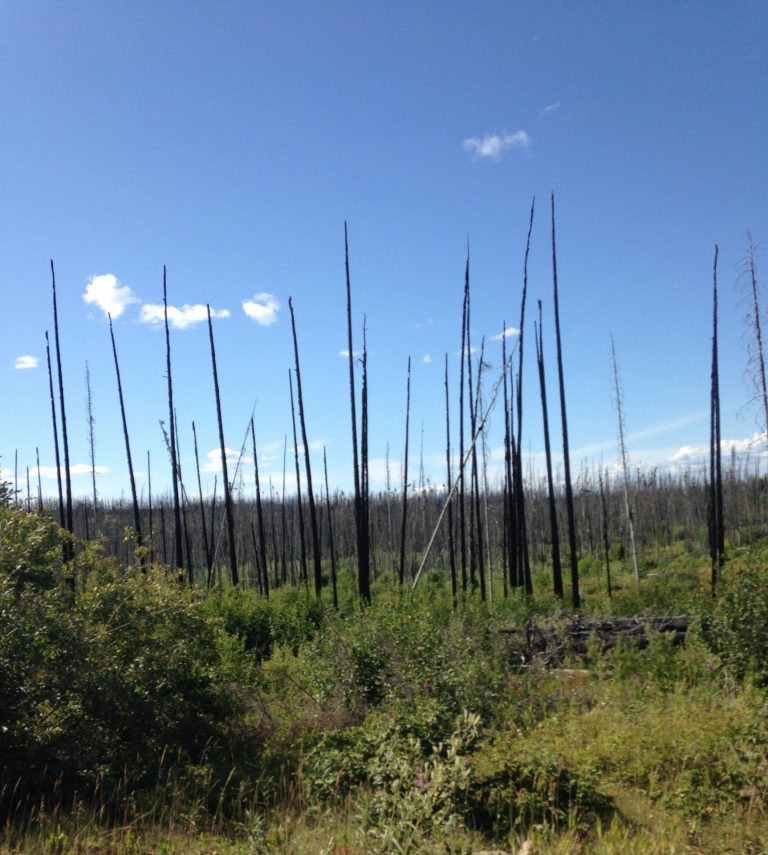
x=100 y=685
x=515 y=790
x=738 y=624
x=289 y=617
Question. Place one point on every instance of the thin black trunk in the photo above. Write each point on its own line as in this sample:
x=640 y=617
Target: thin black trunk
x=149 y=503
x=330 y=535
x=557 y=570
x=717 y=527
x=318 y=570
x=363 y=555
x=69 y=520
x=229 y=509
x=522 y=529
x=606 y=540
x=91 y=435
x=39 y=482
x=260 y=518
x=62 y=517
x=574 y=558
x=448 y=481
x=131 y=476
x=404 y=517
x=177 y=530
x=206 y=542
x=302 y=543
x=462 y=503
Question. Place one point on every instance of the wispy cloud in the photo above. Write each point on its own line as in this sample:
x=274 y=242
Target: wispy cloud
x=506 y=333
x=464 y=352
x=492 y=146
x=179 y=318
x=24 y=362
x=552 y=108
x=49 y=472
x=426 y=359
x=105 y=292
x=262 y=308
x=345 y=353
x=213 y=463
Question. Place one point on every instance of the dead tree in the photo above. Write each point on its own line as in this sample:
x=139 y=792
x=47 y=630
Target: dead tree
x=363 y=544
x=557 y=570
x=404 y=514
x=716 y=521
x=91 y=436
x=131 y=476
x=228 y=505
x=69 y=520
x=62 y=516
x=262 y=552
x=318 y=574
x=574 y=558
x=302 y=543
x=448 y=487
x=618 y=399
x=177 y=528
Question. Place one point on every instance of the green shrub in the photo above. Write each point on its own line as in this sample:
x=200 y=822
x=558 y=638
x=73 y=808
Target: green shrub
x=737 y=629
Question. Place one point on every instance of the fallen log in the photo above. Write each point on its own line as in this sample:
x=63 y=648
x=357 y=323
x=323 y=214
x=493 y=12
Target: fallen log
x=555 y=642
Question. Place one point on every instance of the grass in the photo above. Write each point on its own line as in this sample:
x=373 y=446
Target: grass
x=406 y=726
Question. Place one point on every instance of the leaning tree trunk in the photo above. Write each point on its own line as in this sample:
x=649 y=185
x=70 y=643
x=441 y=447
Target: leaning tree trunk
x=318 y=570
x=134 y=497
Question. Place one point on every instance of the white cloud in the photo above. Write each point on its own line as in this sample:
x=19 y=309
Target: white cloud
x=466 y=351
x=49 y=472
x=426 y=359
x=508 y=331
x=105 y=292
x=23 y=362
x=262 y=308
x=233 y=458
x=345 y=353
x=179 y=318
x=552 y=108
x=492 y=146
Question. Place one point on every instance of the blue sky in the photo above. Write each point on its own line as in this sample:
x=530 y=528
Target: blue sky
x=231 y=141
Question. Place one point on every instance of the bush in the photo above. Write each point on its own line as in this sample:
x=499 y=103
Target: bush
x=738 y=622
x=98 y=686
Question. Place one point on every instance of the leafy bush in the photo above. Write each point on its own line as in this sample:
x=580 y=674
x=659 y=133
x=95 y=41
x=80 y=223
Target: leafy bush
x=738 y=624
x=100 y=685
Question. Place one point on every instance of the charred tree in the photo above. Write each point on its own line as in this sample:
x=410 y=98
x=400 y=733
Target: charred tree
x=69 y=520
x=574 y=558
x=404 y=514
x=318 y=570
x=262 y=551
x=131 y=476
x=62 y=514
x=557 y=570
x=228 y=505
x=302 y=542
x=177 y=528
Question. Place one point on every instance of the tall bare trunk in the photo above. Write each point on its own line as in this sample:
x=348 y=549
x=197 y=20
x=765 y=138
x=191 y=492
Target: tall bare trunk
x=228 y=506
x=62 y=515
x=91 y=434
x=260 y=518
x=69 y=520
x=624 y=459
x=404 y=515
x=318 y=570
x=448 y=487
x=557 y=570
x=574 y=558
x=330 y=535
x=206 y=542
x=177 y=528
x=302 y=542
x=131 y=476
